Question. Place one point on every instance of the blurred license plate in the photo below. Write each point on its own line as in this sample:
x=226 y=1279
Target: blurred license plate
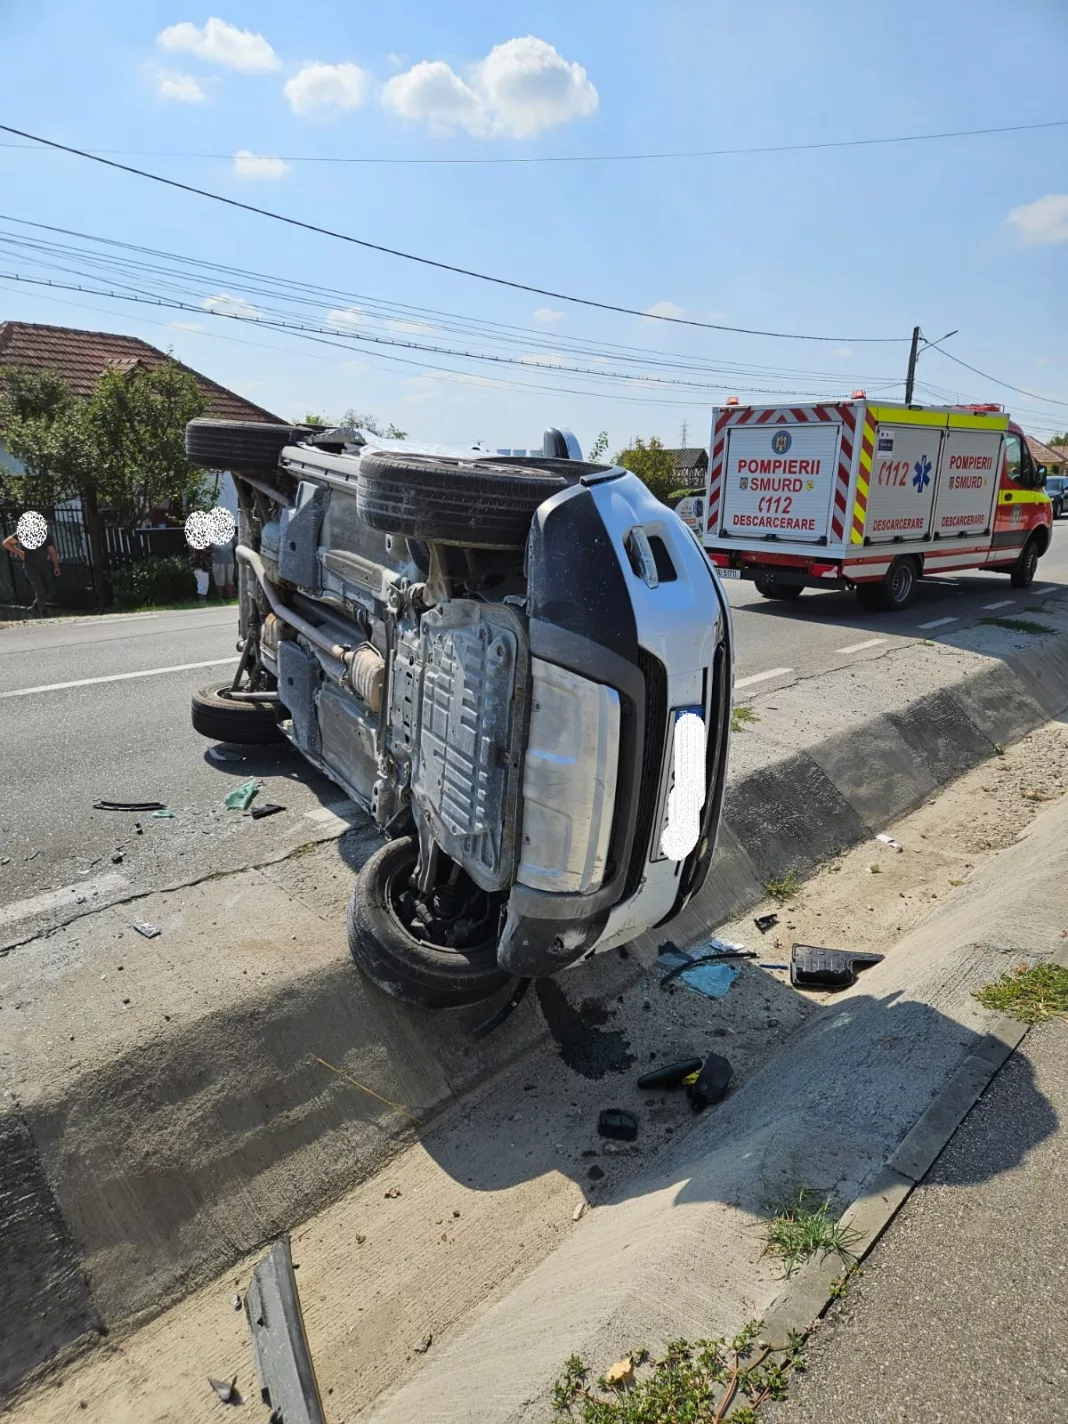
x=729 y=573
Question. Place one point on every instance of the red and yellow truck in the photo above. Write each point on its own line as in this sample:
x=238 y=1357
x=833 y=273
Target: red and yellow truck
x=871 y=495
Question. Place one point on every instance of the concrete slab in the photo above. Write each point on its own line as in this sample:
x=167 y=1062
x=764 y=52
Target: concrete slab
x=882 y=780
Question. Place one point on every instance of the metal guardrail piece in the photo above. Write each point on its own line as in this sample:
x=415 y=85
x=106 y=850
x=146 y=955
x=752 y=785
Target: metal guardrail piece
x=279 y=1343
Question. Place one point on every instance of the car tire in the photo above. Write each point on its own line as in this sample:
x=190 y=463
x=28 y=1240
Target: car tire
x=1022 y=574
x=403 y=966
x=784 y=592
x=219 y=717
x=475 y=503
x=894 y=592
x=240 y=446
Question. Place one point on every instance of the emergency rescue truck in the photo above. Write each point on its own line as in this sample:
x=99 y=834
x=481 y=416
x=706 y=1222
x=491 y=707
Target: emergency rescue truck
x=871 y=496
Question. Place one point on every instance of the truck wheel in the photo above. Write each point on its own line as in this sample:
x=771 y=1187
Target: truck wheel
x=785 y=592
x=218 y=716
x=893 y=592
x=1023 y=573
x=476 y=503
x=242 y=446
x=396 y=949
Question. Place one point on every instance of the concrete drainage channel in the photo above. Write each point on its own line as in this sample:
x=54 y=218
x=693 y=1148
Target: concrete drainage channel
x=152 y=1149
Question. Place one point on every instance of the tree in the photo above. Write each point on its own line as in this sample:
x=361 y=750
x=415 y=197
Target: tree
x=652 y=464
x=319 y=421
x=123 y=447
x=354 y=419
x=598 y=449
x=1061 y=439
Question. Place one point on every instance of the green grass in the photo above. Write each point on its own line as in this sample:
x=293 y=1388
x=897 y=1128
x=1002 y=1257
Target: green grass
x=1032 y=994
x=786 y=887
x=801 y=1230
x=697 y=1383
x=1019 y=625
x=742 y=717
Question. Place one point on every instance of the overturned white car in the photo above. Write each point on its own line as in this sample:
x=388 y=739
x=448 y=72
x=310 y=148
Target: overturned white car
x=521 y=666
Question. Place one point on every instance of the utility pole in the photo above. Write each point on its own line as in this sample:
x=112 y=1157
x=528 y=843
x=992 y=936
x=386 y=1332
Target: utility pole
x=910 y=379
x=684 y=434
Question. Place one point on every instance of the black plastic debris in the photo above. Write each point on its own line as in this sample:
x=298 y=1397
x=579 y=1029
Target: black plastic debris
x=618 y=1123
x=711 y=1084
x=504 y=1012
x=129 y=806
x=765 y=922
x=268 y=809
x=144 y=928
x=672 y=1075
x=814 y=967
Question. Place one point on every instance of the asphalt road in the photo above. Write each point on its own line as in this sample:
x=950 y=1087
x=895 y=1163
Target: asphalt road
x=99 y=708
x=961 y=1311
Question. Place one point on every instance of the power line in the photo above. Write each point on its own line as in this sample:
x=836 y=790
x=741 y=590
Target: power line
x=581 y=157
x=432 y=262
x=1031 y=395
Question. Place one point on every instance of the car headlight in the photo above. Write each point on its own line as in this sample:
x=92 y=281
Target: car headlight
x=686 y=796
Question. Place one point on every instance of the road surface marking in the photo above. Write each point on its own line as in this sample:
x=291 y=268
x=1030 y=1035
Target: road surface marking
x=59 y=899
x=859 y=647
x=115 y=677
x=1005 y=603
x=761 y=676
x=939 y=623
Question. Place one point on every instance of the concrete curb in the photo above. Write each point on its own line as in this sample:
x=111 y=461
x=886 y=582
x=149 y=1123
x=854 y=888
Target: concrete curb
x=285 y=1144
x=808 y=1296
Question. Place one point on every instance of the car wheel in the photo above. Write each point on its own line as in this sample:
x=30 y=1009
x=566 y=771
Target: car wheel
x=404 y=954
x=476 y=503
x=216 y=715
x=1023 y=573
x=893 y=592
x=241 y=446
x=784 y=592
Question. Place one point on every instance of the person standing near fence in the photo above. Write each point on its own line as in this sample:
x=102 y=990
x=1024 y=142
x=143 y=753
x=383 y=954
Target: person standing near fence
x=40 y=562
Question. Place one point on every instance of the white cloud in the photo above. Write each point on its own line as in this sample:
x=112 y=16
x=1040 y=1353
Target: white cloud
x=226 y=305
x=223 y=44
x=252 y=166
x=522 y=87
x=319 y=90
x=185 y=326
x=547 y=314
x=432 y=94
x=844 y=353
x=1043 y=221
x=664 y=309
x=530 y=86
x=183 y=88
x=410 y=326
x=396 y=61
x=346 y=318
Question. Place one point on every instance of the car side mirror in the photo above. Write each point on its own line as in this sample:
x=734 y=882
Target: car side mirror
x=1042 y=476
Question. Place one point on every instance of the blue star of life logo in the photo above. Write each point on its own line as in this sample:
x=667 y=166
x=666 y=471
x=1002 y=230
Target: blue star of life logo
x=922 y=478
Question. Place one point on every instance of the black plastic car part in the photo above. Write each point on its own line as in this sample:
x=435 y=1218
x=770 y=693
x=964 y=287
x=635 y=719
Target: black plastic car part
x=618 y=1123
x=672 y=1075
x=711 y=1084
x=813 y=967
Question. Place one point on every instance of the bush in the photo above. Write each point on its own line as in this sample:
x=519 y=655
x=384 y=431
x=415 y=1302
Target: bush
x=153 y=581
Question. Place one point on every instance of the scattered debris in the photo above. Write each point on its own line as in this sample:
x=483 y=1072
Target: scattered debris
x=33 y=855
x=129 y=806
x=711 y=1083
x=240 y=799
x=813 y=967
x=267 y=809
x=504 y=1012
x=708 y=973
x=621 y=1373
x=144 y=928
x=618 y=1123
x=765 y=922
x=163 y=815
x=226 y=1390
x=116 y=858
x=424 y=1344
x=672 y=1075
x=5 y=860
x=137 y=828
x=235 y=1301
x=889 y=840
x=580 y=1211
x=393 y=1192
x=595 y=1173
x=875 y=868
x=765 y=965
x=221 y=754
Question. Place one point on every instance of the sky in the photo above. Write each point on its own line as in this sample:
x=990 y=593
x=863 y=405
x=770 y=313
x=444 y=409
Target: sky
x=247 y=100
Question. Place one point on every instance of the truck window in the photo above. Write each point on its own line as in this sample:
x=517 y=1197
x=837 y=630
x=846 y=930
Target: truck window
x=1013 y=455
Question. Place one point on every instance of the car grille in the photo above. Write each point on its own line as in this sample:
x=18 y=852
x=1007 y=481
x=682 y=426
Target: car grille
x=652 y=766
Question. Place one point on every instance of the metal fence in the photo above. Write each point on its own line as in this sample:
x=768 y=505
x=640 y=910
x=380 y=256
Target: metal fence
x=66 y=525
